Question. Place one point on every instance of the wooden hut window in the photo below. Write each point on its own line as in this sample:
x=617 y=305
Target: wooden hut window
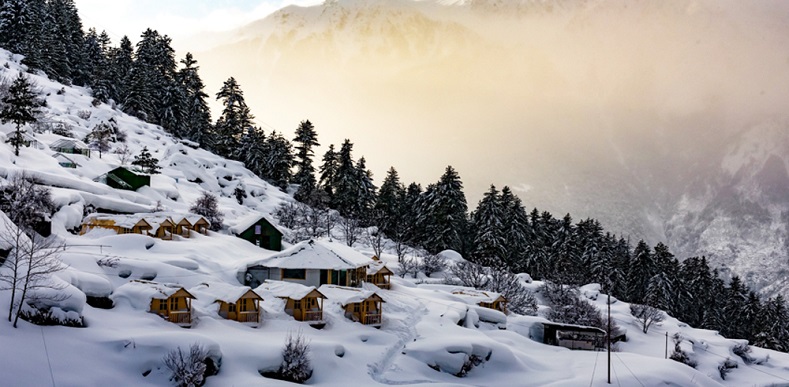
x=231 y=307
x=174 y=303
x=242 y=305
x=162 y=304
x=297 y=304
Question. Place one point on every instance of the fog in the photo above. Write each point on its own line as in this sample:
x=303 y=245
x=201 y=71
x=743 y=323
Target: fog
x=569 y=104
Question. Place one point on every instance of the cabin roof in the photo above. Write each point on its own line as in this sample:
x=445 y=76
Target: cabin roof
x=155 y=219
x=61 y=156
x=572 y=327
x=68 y=143
x=125 y=221
x=478 y=296
x=378 y=267
x=345 y=295
x=316 y=254
x=290 y=290
x=245 y=222
x=220 y=291
x=140 y=293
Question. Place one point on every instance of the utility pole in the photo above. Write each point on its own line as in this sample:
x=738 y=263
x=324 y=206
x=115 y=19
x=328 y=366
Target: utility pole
x=609 y=335
x=666 y=344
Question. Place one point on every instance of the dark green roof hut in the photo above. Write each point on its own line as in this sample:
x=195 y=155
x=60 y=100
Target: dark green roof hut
x=123 y=178
x=258 y=230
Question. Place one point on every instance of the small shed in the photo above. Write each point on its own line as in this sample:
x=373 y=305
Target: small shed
x=573 y=336
x=237 y=303
x=363 y=306
x=485 y=299
x=65 y=161
x=71 y=146
x=257 y=229
x=304 y=303
x=199 y=224
x=170 y=301
x=121 y=224
x=122 y=178
x=163 y=226
x=378 y=274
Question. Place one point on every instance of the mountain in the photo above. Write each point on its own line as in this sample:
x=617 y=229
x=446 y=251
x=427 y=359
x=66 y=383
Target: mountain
x=649 y=116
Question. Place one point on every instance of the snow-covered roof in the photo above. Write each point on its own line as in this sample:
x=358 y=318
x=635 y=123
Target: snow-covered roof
x=241 y=224
x=220 y=291
x=345 y=295
x=68 y=143
x=316 y=254
x=284 y=289
x=478 y=296
x=139 y=293
x=125 y=221
x=376 y=267
x=63 y=157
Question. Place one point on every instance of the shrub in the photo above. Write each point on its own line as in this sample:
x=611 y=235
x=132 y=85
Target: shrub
x=646 y=315
x=681 y=356
x=743 y=350
x=519 y=299
x=48 y=318
x=208 y=207
x=433 y=263
x=84 y=114
x=295 y=366
x=189 y=369
x=726 y=366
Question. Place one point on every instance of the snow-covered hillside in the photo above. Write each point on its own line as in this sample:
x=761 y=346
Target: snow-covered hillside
x=427 y=333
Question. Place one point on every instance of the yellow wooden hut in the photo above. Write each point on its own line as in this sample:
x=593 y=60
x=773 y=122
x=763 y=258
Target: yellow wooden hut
x=170 y=301
x=485 y=299
x=304 y=303
x=378 y=274
x=360 y=305
x=121 y=224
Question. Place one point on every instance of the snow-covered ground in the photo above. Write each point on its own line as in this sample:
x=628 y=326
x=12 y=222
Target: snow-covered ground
x=427 y=333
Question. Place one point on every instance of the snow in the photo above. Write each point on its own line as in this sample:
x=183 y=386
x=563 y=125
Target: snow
x=426 y=337
x=316 y=254
x=345 y=295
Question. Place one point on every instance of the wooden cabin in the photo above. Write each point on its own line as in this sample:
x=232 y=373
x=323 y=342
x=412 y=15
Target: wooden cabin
x=573 y=336
x=260 y=231
x=183 y=227
x=485 y=299
x=378 y=274
x=163 y=228
x=363 y=306
x=199 y=224
x=121 y=224
x=311 y=263
x=175 y=307
x=244 y=309
x=304 y=303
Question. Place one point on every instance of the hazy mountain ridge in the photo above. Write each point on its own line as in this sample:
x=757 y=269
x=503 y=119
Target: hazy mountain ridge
x=641 y=114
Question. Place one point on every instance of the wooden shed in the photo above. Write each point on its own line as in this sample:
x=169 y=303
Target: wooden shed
x=378 y=274
x=121 y=224
x=485 y=299
x=257 y=229
x=573 y=336
x=170 y=301
x=304 y=303
x=70 y=146
x=65 y=161
x=175 y=306
x=363 y=306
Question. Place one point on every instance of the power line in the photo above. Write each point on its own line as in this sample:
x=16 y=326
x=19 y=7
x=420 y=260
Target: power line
x=629 y=370
x=594 y=369
x=46 y=352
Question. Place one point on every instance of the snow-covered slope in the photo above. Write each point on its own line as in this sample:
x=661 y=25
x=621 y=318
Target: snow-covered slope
x=426 y=337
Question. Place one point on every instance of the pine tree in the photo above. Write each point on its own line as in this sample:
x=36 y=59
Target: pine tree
x=365 y=195
x=564 y=254
x=121 y=61
x=516 y=228
x=442 y=216
x=346 y=182
x=70 y=33
x=20 y=107
x=208 y=207
x=328 y=172
x=146 y=161
x=641 y=271
x=234 y=121
x=488 y=230
x=16 y=20
x=278 y=160
x=306 y=138
x=99 y=138
x=388 y=211
x=197 y=115
x=253 y=151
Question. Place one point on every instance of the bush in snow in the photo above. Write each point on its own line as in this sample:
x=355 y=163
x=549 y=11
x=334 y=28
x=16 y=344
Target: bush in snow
x=646 y=315
x=189 y=369
x=519 y=299
x=208 y=206
x=433 y=263
x=146 y=161
x=295 y=366
x=726 y=366
x=470 y=274
x=84 y=114
x=407 y=265
x=681 y=356
x=568 y=307
x=47 y=317
x=743 y=350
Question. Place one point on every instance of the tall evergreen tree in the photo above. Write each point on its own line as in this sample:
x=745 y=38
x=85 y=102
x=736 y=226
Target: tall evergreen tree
x=306 y=138
x=328 y=171
x=234 y=121
x=121 y=61
x=197 y=115
x=366 y=191
x=443 y=218
x=387 y=212
x=488 y=230
x=346 y=183
x=641 y=271
x=20 y=107
x=253 y=151
x=278 y=160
